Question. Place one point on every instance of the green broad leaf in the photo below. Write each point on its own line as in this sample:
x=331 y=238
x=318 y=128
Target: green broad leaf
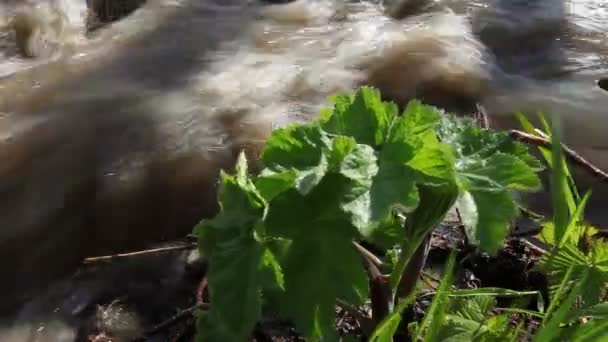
x=360 y=167
x=308 y=178
x=363 y=116
x=489 y=166
x=343 y=147
x=292 y=214
x=301 y=149
x=377 y=187
x=270 y=183
x=233 y=281
x=394 y=186
x=415 y=143
x=486 y=217
x=418 y=122
x=235 y=257
x=321 y=263
x=295 y=146
x=272 y=273
x=388 y=233
x=318 y=270
x=434 y=164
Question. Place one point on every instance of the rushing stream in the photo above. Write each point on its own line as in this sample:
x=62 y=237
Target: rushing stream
x=112 y=138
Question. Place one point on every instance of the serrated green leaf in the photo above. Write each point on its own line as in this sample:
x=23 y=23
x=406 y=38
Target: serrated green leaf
x=560 y=308
x=416 y=124
x=295 y=146
x=469 y=140
x=473 y=308
x=547 y=233
x=499 y=172
x=366 y=118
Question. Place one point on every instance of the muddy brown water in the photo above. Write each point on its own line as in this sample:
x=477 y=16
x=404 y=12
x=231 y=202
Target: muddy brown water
x=113 y=139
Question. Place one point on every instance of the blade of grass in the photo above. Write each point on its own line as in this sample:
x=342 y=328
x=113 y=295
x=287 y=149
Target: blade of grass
x=436 y=313
x=491 y=291
x=559 y=183
x=387 y=328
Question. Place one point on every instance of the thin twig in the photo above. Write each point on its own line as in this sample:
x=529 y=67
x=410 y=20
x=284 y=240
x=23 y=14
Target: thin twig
x=530 y=214
x=532 y=246
x=428 y=283
x=430 y=276
x=570 y=154
x=173 y=319
x=138 y=253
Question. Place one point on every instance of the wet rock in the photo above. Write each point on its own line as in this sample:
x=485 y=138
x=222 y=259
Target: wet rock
x=102 y=12
x=603 y=83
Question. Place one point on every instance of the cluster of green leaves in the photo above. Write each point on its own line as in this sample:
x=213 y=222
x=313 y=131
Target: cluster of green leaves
x=577 y=265
x=287 y=232
x=461 y=315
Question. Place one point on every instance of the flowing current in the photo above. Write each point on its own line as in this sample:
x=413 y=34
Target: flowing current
x=112 y=133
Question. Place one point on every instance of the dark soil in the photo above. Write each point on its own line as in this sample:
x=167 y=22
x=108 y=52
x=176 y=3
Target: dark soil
x=151 y=297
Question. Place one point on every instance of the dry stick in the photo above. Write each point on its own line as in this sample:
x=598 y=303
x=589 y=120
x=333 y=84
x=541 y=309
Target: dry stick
x=173 y=319
x=138 y=253
x=482 y=117
x=571 y=154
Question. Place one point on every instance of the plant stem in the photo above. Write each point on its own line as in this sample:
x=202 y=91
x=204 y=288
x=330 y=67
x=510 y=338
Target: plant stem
x=380 y=291
x=414 y=268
